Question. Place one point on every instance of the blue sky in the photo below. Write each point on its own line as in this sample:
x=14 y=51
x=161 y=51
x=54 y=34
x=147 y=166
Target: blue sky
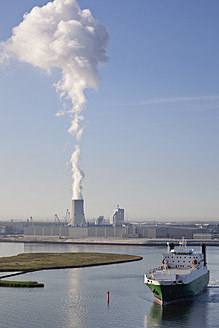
x=152 y=129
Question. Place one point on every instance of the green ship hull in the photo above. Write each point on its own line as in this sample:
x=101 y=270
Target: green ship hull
x=170 y=293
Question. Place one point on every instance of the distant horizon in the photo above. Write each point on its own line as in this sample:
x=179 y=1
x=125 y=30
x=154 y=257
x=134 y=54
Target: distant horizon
x=136 y=220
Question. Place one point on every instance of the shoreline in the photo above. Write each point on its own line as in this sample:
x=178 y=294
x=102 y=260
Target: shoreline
x=107 y=241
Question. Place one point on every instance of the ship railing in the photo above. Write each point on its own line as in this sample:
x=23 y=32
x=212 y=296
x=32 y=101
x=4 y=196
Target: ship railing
x=155 y=269
x=161 y=268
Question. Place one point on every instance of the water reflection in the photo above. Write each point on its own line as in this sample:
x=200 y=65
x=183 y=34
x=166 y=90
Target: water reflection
x=185 y=314
x=51 y=248
x=154 y=318
x=74 y=304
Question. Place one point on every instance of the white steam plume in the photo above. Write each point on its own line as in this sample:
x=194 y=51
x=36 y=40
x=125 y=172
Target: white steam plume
x=61 y=35
x=77 y=174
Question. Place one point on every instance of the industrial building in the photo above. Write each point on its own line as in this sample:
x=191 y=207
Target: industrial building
x=99 y=220
x=117 y=218
x=76 y=227
x=105 y=231
x=74 y=232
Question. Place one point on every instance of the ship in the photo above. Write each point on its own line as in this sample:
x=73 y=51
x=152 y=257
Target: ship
x=182 y=275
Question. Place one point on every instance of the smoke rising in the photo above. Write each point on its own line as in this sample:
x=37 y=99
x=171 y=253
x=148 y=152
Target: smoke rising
x=61 y=35
x=77 y=174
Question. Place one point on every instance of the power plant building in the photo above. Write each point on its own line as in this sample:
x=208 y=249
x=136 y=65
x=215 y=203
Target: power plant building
x=77 y=217
x=117 y=218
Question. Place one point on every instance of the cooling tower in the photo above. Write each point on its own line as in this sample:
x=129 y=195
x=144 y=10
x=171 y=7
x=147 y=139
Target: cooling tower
x=77 y=217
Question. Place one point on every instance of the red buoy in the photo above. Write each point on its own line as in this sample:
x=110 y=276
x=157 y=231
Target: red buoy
x=107 y=296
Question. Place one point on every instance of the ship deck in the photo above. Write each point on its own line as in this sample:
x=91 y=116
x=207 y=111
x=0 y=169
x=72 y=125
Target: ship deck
x=180 y=271
x=168 y=272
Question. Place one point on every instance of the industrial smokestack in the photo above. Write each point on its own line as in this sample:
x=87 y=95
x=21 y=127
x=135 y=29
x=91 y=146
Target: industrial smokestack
x=77 y=217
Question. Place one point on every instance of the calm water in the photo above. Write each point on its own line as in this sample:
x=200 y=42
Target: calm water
x=76 y=298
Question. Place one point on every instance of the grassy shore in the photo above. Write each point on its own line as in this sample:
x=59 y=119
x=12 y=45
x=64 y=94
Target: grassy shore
x=39 y=261
x=27 y=284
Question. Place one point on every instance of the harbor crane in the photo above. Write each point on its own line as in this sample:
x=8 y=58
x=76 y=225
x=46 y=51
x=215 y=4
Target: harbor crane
x=67 y=216
x=57 y=219
x=31 y=219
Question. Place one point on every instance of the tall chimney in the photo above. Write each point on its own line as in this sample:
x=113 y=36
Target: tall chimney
x=77 y=217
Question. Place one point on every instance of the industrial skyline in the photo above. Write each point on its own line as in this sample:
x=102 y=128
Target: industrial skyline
x=151 y=133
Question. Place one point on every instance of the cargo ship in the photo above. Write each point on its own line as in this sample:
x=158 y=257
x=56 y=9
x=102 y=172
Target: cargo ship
x=183 y=274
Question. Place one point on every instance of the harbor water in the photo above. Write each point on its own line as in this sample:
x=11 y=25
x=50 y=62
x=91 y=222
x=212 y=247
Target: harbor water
x=77 y=298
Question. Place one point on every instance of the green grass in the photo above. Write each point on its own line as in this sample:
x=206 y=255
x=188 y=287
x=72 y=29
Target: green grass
x=28 y=284
x=39 y=261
